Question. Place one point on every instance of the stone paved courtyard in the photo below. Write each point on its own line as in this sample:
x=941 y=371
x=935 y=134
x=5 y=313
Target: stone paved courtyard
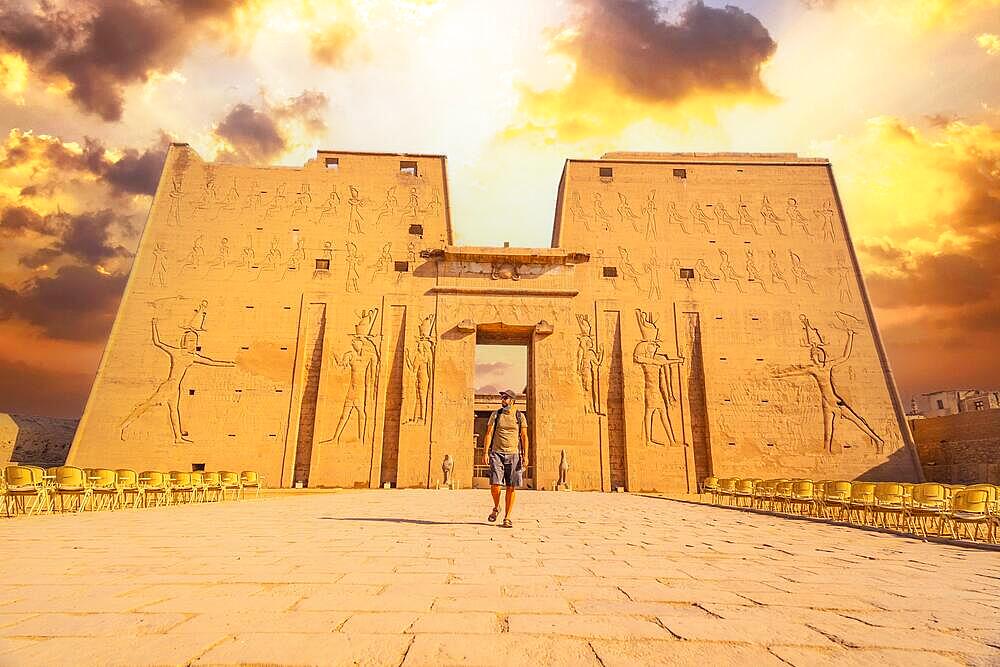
x=420 y=578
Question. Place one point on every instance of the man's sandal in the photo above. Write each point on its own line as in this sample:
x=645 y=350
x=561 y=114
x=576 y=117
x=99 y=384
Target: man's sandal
x=506 y=524
x=493 y=515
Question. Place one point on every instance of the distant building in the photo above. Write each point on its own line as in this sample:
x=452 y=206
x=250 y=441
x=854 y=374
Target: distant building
x=952 y=402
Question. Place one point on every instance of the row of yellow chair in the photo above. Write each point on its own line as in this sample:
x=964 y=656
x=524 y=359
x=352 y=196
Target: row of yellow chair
x=947 y=510
x=33 y=490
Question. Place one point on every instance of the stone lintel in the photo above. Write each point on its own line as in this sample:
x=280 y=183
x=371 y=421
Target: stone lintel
x=500 y=291
x=487 y=254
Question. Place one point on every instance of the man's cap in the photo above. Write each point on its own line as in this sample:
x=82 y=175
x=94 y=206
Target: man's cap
x=508 y=392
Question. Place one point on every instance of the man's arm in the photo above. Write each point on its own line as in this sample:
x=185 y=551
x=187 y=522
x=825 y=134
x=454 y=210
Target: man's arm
x=847 y=350
x=488 y=438
x=524 y=439
x=208 y=361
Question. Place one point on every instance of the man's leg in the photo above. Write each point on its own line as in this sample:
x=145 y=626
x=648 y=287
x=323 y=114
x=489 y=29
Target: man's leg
x=508 y=501
x=495 y=490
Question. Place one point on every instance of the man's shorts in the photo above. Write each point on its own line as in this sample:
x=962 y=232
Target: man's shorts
x=505 y=469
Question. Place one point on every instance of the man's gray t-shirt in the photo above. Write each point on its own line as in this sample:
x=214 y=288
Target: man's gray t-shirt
x=507 y=431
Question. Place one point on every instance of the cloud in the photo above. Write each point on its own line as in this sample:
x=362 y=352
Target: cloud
x=29 y=390
x=138 y=172
x=990 y=43
x=260 y=135
x=922 y=14
x=17 y=220
x=99 y=47
x=629 y=63
x=493 y=368
x=76 y=303
x=330 y=45
x=86 y=237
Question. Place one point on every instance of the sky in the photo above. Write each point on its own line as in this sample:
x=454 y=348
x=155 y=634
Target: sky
x=903 y=96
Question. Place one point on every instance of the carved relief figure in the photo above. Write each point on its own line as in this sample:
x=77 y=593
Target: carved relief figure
x=652 y=267
x=168 y=393
x=384 y=262
x=843 y=273
x=232 y=199
x=649 y=210
x=447 y=466
x=221 y=259
x=421 y=365
x=825 y=214
x=563 y=470
x=194 y=257
x=753 y=274
x=411 y=209
x=799 y=272
x=329 y=208
x=175 y=194
x=158 y=278
x=579 y=214
x=679 y=277
x=626 y=215
x=706 y=274
x=777 y=275
x=770 y=217
x=820 y=369
x=728 y=272
x=699 y=217
x=355 y=217
x=658 y=388
x=589 y=359
x=353 y=260
x=723 y=217
x=746 y=218
x=298 y=256
x=272 y=260
x=793 y=213
x=629 y=272
x=434 y=205
x=247 y=255
x=504 y=271
x=303 y=200
x=197 y=321
x=601 y=216
x=673 y=217
x=209 y=195
x=362 y=363
x=255 y=199
x=388 y=206
x=277 y=201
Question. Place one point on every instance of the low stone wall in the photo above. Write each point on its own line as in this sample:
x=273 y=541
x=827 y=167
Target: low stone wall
x=42 y=441
x=960 y=449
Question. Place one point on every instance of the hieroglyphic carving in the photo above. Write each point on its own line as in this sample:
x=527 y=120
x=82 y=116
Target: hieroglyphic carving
x=627 y=215
x=329 y=208
x=277 y=201
x=192 y=261
x=421 y=366
x=728 y=272
x=843 y=273
x=675 y=218
x=589 y=359
x=362 y=362
x=388 y=206
x=629 y=272
x=795 y=216
x=221 y=259
x=272 y=264
x=799 y=272
x=724 y=218
x=412 y=208
x=298 y=256
x=601 y=216
x=649 y=211
x=353 y=261
x=577 y=211
x=168 y=393
x=303 y=200
x=231 y=201
x=679 y=277
x=699 y=217
x=384 y=262
x=175 y=194
x=777 y=274
x=658 y=387
x=652 y=267
x=209 y=195
x=753 y=273
x=355 y=217
x=434 y=205
x=825 y=213
x=746 y=218
x=770 y=217
x=820 y=368
x=706 y=274
x=158 y=276
x=255 y=199
x=247 y=255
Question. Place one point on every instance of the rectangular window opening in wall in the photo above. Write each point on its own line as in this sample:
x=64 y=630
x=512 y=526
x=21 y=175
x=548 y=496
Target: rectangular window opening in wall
x=260 y=229
x=272 y=435
x=417 y=230
x=770 y=444
x=687 y=274
x=760 y=358
x=711 y=240
x=731 y=444
x=606 y=173
x=190 y=392
x=197 y=467
x=295 y=229
x=718 y=317
x=245 y=347
x=408 y=167
x=332 y=163
x=401 y=267
x=289 y=307
x=610 y=272
x=763 y=400
x=231 y=435
x=321 y=265
x=722 y=358
x=940 y=404
x=754 y=318
x=284 y=348
x=278 y=391
x=680 y=173
x=739 y=171
x=249 y=306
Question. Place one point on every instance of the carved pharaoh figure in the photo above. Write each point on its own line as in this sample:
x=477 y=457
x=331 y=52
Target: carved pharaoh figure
x=421 y=365
x=795 y=216
x=649 y=210
x=355 y=218
x=746 y=218
x=728 y=272
x=158 y=278
x=652 y=267
x=658 y=391
x=175 y=194
x=626 y=214
x=353 y=260
x=770 y=217
x=601 y=216
x=826 y=214
x=589 y=359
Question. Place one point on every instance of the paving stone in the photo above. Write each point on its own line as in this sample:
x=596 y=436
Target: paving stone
x=309 y=649
x=751 y=632
x=654 y=653
x=498 y=651
x=125 y=650
x=93 y=625
x=377 y=623
x=469 y=622
x=581 y=625
x=804 y=656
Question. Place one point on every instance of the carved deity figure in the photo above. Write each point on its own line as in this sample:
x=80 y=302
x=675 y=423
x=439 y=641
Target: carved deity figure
x=795 y=216
x=158 y=278
x=658 y=389
x=728 y=272
x=626 y=214
x=799 y=272
x=777 y=274
x=355 y=218
x=770 y=217
x=353 y=260
x=303 y=200
x=277 y=202
x=388 y=206
x=362 y=363
x=589 y=359
x=330 y=205
x=421 y=365
x=706 y=274
x=724 y=218
x=577 y=211
x=843 y=273
x=175 y=194
x=194 y=257
x=700 y=217
x=820 y=368
x=168 y=393
x=601 y=216
x=649 y=210
x=384 y=262
x=746 y=218
x=447 y=467
x=652 y=267
x=825 y=214
x=753 y=273
x=629 y=272
x=221 y=259
x=412 y=208
x=673 y=217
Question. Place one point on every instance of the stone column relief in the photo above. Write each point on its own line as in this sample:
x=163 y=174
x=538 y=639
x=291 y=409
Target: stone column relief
x=421 y=365
x=820 y=368
x=182 y=357
x=589 y=359
x=658 y=387
x=362 y=363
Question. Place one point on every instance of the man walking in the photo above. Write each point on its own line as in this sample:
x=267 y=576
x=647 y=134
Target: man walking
x=507 y=449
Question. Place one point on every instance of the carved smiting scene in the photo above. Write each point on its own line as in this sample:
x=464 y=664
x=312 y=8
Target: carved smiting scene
x=168 y=393
x=820 y=368
x=658 y=387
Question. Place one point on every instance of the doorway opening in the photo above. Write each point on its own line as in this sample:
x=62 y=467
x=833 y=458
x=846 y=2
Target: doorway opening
x=503 y=361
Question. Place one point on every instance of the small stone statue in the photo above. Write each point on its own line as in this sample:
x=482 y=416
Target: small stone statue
x=563 y=483
x=447 y=465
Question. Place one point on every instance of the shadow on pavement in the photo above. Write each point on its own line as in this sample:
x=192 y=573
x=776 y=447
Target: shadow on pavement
x=422 y=522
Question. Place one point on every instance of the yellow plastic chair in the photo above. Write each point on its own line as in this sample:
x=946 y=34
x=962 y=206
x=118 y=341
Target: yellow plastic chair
x=128 y=486
x=198 y=484
x=251 y=479
x=710 y=486
x=213 y=485
x=889 y=501
x=24 y=482
x=969 y=507
x=181 y=489
x=155 y=486
x=763 y=493
x=105 y=493
x=782 y=495
x=727 y=490
x=70 y=482
x=230 y=482
x=743 y=492
x=861 y=503
x=928 y=502
x=802 y=496
x=836 y=498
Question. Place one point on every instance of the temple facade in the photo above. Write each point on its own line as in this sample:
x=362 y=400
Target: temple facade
x=695 y=314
